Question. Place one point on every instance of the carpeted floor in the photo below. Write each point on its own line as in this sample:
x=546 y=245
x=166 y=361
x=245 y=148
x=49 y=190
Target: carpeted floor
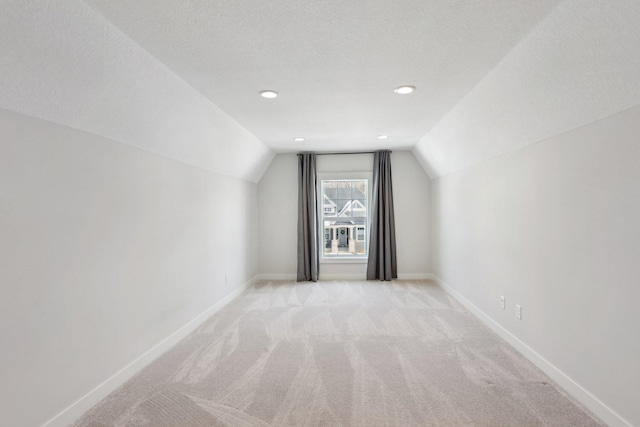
x=341 y=354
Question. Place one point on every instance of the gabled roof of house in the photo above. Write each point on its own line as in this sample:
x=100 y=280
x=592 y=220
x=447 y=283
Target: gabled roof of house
x=344 y=196
x=351 y=204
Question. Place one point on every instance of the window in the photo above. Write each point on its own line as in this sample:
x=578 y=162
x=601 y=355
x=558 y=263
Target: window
x=329 y=207
x=344 y=218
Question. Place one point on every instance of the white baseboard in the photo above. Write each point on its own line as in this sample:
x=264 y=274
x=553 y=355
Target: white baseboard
x=86 y=402
x=293 y=277
x=351 y=276
x=339 y=276
x=595 y=405
x=363 y=276
x=276 y=276
x=416 y=276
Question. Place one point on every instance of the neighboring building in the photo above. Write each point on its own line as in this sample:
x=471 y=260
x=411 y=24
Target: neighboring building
x=344 y=217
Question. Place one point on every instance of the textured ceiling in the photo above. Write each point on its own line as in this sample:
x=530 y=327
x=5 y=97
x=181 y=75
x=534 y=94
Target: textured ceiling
x=181 y=78
x=334 y=62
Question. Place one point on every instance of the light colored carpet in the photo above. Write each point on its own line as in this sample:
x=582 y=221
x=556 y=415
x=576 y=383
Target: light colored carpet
x=341 y=354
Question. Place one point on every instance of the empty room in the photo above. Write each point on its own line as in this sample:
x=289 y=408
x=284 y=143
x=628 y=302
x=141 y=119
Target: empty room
x=319 y=213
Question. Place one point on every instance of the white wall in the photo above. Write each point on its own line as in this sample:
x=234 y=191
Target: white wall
x=555 y=227
x=278 y=217
x=64 y=62
x=579 y=65
x=278 y=197
x=105 y=250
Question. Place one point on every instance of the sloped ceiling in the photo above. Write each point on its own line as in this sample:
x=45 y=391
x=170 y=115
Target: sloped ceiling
x=63 y=62
x=182 y=78
x=579 y=65
x=335 y=63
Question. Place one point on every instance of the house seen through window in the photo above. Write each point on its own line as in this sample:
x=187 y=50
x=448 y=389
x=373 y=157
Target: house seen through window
x=345 y=209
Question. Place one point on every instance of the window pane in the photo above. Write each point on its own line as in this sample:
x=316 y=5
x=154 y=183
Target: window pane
x=344 y=190
x=359 y=208
x=344 y=207
x=329 y=188
x=344 y=218
x=329 y=207
x=359 y=190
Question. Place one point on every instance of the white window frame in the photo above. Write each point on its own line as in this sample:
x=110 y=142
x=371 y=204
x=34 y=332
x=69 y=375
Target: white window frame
x=345 y=259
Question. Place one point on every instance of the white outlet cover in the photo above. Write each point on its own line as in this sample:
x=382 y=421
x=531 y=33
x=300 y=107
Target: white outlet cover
x=519 y=312
x=502 y=302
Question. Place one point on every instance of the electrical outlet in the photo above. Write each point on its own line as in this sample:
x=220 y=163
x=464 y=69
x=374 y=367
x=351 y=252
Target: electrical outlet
x=519 y=312
x=502 y=303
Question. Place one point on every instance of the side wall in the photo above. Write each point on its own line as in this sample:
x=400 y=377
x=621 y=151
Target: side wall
x=105 y=251
x=278 y=198
x=555 y=228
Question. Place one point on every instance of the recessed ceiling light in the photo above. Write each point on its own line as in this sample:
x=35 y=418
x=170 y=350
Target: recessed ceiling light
x=404 y=90
x=269 y=94
x=383 y=136
x=298 y=139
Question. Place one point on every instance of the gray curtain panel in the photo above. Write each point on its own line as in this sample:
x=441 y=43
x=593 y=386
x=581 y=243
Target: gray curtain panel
x=382 y=263
x=308 y=261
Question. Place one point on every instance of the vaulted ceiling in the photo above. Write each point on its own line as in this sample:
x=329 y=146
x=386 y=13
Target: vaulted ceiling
x=334 y=63
x=181 y=78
